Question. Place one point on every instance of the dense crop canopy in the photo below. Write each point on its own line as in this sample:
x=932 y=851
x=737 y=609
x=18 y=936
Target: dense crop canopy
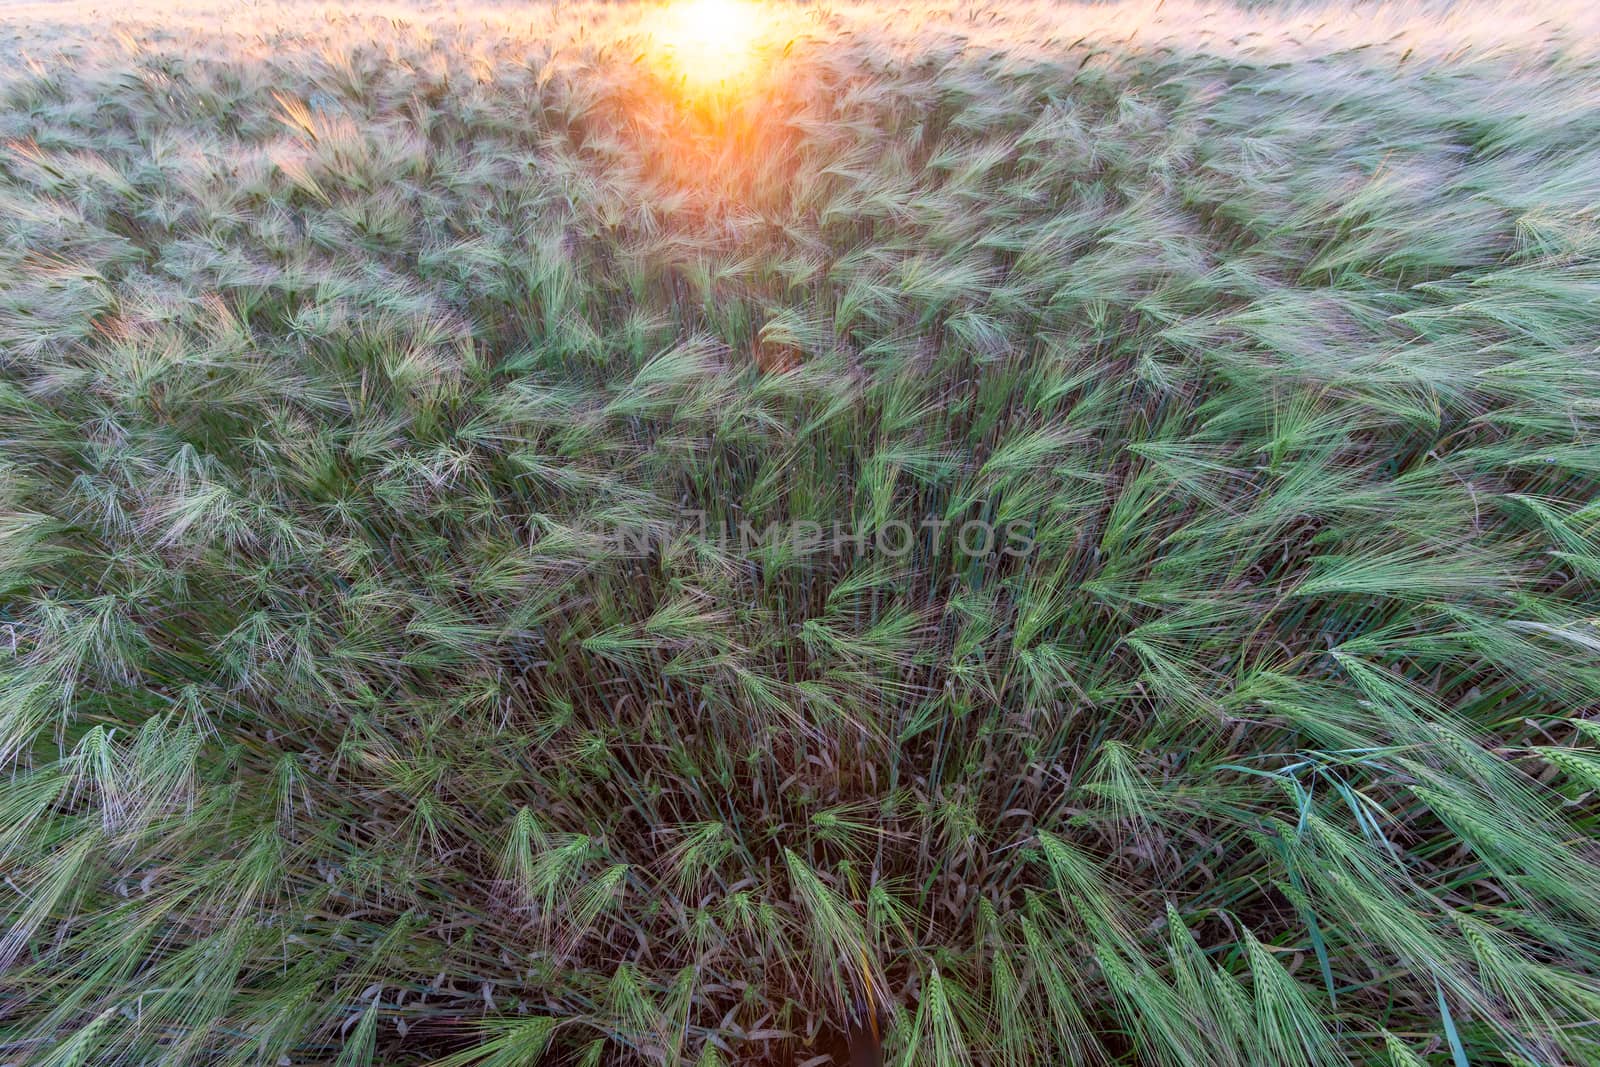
x=493 y=558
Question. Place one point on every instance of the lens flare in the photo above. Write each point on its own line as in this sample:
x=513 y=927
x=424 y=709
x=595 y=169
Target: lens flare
x=710 y=43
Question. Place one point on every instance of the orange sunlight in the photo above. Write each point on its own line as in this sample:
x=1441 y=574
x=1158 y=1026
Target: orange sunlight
x=710 y=44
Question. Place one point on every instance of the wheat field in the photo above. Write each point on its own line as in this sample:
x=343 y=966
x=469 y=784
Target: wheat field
x=1020 y=534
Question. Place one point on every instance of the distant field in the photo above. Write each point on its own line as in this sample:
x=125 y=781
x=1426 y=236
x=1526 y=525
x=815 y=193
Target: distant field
x=1045 y=533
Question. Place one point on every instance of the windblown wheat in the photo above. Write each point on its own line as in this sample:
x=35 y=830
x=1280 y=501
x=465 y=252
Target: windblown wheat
x=339 y=725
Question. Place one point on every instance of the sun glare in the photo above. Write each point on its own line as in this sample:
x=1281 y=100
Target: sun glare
x=710 y=43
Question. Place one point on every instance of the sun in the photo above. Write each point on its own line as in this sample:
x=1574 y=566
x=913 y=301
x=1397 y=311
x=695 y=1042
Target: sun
x=710 y=43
